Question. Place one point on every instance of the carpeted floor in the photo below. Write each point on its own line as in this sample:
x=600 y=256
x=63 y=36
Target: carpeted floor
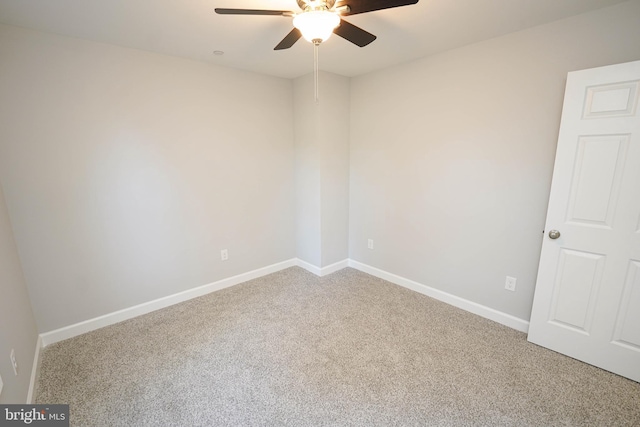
x=346 y=349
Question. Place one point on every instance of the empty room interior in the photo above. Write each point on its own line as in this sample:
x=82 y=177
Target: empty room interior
x=199 y=229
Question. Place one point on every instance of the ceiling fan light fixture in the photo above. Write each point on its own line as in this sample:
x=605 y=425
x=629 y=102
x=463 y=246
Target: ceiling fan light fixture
x=316 y=24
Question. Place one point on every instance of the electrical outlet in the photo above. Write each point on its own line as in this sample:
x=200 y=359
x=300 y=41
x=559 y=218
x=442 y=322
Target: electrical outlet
x=14 y=363
x=370 y=243
x=510 y=283
x=224 y=255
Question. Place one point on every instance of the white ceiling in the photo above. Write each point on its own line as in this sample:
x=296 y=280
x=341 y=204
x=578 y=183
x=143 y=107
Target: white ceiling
x=191 y=29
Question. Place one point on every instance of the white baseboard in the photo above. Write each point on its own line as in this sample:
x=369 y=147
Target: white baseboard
x=470 y=306
x=332 y=268
x=308 y=266
x=322 y=271
x=35 y=372
x=147 y=307
x=71 y=331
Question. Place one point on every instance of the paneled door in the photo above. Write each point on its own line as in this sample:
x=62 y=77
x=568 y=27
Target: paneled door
x=587 y=297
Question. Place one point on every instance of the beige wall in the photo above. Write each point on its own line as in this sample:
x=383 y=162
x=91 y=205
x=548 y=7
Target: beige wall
x=17 y=324
x=322 y=169
x=452 y=155
x=334 y=131
x=308 y=174
x=127 y=172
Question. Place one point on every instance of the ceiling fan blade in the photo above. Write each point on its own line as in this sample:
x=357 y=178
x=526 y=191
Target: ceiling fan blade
x=355 y=35
x=363 y=6
x=223 y=11
x=289 y=40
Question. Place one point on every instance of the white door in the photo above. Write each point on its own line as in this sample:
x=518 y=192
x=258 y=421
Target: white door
x=587 y=298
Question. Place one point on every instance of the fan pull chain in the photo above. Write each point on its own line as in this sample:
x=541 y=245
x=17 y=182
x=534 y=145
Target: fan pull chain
x=316 y=44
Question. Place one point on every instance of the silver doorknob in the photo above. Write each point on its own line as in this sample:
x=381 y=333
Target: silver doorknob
x=554 y=234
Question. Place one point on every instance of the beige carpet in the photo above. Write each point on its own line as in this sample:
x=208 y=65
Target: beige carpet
x=347 y=349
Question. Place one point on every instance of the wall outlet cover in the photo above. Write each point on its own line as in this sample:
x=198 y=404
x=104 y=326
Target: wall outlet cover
x=14 y=363
x=510 y=283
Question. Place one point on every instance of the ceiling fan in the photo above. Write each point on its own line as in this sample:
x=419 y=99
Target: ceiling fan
x=320 y=18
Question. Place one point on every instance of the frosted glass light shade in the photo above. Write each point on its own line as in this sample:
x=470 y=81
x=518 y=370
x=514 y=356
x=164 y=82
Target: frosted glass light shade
x=316 y=24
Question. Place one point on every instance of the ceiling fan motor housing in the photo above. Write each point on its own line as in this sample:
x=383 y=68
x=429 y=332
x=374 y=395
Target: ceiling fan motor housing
x=316 y=4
